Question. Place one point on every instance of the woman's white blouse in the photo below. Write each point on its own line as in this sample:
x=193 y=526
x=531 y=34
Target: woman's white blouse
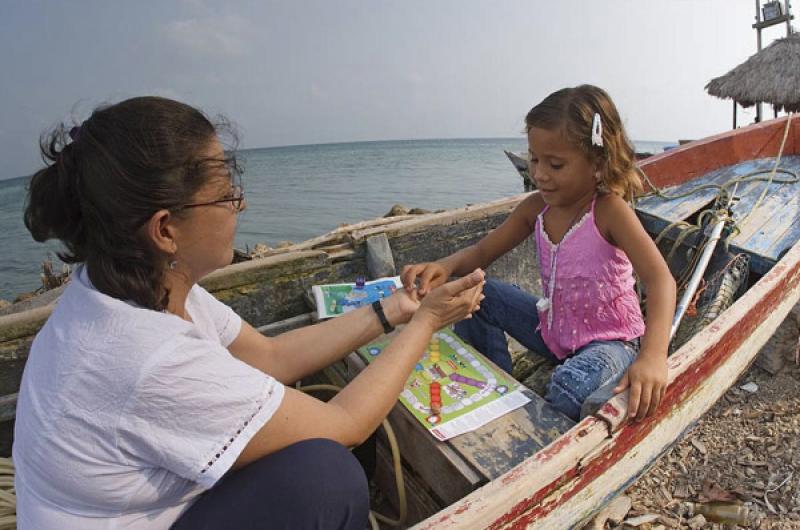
x=125 y=414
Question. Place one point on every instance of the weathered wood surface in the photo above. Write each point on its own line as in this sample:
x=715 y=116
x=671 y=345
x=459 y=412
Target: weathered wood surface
x=562 y=486
x=458 y=466
x=443 y=469
x=767 y=229
x=272 y=289
x=270 y=292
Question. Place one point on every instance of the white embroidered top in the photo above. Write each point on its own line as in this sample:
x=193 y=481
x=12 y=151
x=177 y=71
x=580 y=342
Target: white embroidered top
x=126 y=415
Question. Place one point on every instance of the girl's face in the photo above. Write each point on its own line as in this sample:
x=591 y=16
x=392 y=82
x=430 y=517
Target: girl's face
x=207 y=232
x=562 y=172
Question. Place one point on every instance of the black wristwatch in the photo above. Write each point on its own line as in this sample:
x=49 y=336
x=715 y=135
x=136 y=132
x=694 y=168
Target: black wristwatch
x=387 y=328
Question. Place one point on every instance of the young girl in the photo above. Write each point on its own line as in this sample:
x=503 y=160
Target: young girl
x=589 y=242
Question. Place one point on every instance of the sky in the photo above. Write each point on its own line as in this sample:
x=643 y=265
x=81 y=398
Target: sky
x=318 y=71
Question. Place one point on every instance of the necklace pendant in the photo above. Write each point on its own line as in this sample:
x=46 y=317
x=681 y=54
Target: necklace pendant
x=543 y=304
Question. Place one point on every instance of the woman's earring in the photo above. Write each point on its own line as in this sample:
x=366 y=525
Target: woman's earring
x=598 y=177
x=173 y=264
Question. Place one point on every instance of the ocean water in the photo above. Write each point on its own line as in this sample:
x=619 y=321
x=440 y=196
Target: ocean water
x=298 y=192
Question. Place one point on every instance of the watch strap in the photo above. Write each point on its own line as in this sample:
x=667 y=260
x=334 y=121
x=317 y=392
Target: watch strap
x=378 y=308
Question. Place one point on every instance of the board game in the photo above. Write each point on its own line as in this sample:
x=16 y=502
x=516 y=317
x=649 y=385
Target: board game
x=337 y=299
x=453 y=388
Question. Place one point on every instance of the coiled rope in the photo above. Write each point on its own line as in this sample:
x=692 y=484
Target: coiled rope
x=8 y=497
x=402 y=502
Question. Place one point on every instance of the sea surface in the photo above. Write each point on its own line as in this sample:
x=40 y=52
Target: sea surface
x=298 y=192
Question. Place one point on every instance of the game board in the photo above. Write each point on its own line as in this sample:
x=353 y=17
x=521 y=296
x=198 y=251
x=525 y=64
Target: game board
x=338 y=298
x=453 y=388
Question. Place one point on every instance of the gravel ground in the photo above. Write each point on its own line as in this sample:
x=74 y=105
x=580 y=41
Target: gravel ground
x=744 y=453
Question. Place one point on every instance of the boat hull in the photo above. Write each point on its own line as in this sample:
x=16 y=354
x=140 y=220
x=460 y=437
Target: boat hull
x=566 y=483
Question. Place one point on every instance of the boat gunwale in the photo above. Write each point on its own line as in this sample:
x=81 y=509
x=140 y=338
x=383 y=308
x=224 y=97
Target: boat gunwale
x=536 y=474
x=705 y=353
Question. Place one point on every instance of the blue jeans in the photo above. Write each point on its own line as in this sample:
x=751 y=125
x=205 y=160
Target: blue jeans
x=508 y=309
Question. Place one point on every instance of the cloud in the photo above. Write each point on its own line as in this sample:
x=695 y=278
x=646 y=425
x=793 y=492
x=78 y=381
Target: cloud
x=213 y=37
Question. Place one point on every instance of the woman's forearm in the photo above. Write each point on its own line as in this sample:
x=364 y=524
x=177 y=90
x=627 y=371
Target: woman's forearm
x=388 y=372
x=307 y=350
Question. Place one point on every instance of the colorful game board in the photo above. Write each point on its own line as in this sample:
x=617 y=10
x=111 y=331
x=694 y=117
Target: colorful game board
x=454 y=389
x=337 y=299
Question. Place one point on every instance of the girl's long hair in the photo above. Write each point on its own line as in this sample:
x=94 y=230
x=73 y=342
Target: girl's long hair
x=572 y=110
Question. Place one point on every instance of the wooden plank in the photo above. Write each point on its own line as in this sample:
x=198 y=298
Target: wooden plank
x=449 y=476
x=505 y=442
x=684 y=207
x=8 y=407
x=288 y=324
x=530 y=496
x=380 y=261
x=420 y=501
x=751 y=220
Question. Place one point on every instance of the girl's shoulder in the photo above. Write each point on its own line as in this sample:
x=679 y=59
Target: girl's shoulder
x=530 y=207
x=609 y=211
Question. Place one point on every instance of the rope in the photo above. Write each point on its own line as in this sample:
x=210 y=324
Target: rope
x=8 y=497
x=720 y=211
x=402 y=502
x=774 y=170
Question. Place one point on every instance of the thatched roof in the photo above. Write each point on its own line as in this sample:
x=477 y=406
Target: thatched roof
x=769 y=76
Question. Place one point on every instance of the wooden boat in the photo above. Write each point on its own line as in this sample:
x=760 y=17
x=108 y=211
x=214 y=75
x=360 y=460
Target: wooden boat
x=532 y=468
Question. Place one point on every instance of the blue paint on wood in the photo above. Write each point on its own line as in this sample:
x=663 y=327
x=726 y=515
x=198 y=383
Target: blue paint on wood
x=769 y=230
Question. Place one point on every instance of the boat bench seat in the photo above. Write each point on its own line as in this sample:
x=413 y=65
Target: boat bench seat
x=768 y=228
x=443 y=472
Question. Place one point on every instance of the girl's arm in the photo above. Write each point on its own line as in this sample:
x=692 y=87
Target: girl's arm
x=298 y=353
x=647 y=376
x=504 y=238
x=355 y=412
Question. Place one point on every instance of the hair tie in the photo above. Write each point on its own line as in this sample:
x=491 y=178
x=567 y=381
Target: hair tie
x=75 y=132
x=597 y=130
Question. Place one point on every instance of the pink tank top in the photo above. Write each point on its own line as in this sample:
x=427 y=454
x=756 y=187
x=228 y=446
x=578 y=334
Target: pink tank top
x=594 y=295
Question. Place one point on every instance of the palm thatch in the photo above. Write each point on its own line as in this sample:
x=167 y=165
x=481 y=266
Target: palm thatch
x=769 y=76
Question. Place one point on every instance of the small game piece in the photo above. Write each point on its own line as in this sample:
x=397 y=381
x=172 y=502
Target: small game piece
x=360 y=282
x=436 y=398
x=467 y=380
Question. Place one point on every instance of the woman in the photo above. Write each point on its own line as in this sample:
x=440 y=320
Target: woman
x=147 y=403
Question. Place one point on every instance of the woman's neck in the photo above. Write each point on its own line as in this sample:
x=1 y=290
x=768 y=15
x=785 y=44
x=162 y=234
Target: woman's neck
x=178 y=287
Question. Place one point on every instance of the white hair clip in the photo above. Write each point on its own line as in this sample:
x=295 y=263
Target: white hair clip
x=597 y=130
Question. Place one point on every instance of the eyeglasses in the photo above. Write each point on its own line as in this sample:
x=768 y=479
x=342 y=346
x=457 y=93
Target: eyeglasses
x=236 y=198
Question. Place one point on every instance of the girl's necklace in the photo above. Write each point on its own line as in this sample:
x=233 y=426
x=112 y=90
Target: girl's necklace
x=545 y=304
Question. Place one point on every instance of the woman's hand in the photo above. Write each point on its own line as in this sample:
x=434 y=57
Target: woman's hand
x=647 y=378
x=400 y=307
x=429 y=274
x=452 y=301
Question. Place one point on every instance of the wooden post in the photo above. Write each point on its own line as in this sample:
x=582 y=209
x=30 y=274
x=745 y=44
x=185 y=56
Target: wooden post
x=380 y=262
x=758 y=45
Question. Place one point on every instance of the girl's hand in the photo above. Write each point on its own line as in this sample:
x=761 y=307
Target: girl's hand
x=400 y=306
x=647 y=379
x=452 y=301
x=430 y=275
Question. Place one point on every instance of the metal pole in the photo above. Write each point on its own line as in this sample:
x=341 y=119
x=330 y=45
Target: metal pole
x=734 y=113
x=697 y=275
x=758 y=41
x=788 y=18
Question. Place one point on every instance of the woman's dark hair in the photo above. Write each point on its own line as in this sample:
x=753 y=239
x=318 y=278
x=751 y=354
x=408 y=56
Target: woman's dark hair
x=106 y=178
